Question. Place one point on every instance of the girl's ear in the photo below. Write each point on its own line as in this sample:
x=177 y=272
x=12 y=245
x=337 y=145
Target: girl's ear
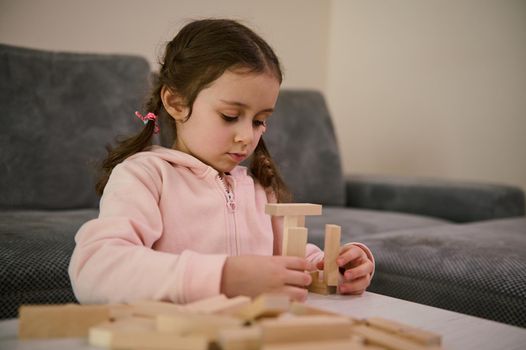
x=174 y=104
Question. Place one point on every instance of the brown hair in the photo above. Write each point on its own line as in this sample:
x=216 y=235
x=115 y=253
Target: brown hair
x=198 y=55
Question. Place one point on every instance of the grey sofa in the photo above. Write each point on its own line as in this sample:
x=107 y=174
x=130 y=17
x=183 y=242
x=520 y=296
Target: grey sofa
x=458 y=246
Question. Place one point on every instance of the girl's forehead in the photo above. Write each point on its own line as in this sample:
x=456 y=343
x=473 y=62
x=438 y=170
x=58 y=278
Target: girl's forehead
x=242 y=87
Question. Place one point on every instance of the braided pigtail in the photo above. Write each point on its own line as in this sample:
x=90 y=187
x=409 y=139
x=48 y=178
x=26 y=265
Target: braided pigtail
x=129 y=146
x=266 y=172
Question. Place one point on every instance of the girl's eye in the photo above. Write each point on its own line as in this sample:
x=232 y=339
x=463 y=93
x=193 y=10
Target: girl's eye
x=260 y=123
x=229 y=118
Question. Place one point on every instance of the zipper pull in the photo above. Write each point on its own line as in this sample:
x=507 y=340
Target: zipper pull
x=230 y=202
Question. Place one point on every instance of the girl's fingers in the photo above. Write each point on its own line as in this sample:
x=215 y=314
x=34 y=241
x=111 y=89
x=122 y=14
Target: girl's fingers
x=295 y=293
x=350 y=253
x=295 y=263
x=357 y=286
x=359 y=271
x=297 y=278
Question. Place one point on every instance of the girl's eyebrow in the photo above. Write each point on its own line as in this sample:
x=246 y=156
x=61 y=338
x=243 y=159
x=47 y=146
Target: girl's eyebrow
x=243 y=105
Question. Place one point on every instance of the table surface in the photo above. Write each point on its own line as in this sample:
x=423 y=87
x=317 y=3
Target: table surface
x=458 y=331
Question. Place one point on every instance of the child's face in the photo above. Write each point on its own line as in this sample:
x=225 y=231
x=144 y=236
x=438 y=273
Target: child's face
x=228 y=119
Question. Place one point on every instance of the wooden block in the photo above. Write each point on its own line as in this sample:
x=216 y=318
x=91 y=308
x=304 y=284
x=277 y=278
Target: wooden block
x=305 y=328
x=318 y=345
x=412 y=333
x=151 y=340
x=301 y=309
x=294 y=242
x=60 y=321
x=187 y=324
x=246 y=338
x=102 y=334
x=204 y=305
x=265 y=305
x=232 y=306
x=332 y=251
x=294 y=209
x=219 y=305
x=319 y=286
x=293 y=221
x=150 y=308
x=119 y=311
x=387 y=340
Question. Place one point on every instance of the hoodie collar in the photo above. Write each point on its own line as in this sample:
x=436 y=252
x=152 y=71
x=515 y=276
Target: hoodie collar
x=195 y=165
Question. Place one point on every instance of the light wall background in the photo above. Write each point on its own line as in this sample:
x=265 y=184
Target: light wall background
x=431 y=88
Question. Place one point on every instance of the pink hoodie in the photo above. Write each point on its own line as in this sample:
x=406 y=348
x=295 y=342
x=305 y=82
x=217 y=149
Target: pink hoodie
x=165 y=229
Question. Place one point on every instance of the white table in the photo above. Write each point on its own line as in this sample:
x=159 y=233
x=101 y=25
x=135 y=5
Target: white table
x=458 y=331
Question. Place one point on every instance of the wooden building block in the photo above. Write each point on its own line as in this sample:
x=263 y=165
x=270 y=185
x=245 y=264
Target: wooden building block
x=60 y=321
x=231 y=306
x=332 y=251
x=319 y=286
x=412 y=333
x=220 y=305
x=301 y=309
x=204 y=305
x=387 y=340
x=150 y=308
x=294 y=242
x=187 y=324
x=265 y=305
x=102 y=334
x=246 y=338
x=305 y=328
x=317 y=345
x=294 y=209
x=293 y=221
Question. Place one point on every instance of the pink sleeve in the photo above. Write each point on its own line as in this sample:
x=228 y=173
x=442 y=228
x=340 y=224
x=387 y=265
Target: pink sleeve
x=113 y=260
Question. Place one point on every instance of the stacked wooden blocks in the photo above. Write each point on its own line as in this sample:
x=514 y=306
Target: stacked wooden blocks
x=268 y=322
x=295 y=240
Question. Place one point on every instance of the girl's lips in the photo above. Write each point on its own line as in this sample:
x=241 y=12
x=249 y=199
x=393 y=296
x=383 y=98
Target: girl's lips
x=238 y=157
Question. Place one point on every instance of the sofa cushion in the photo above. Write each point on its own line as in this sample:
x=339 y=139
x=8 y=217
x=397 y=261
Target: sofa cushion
x=301 y=140
x=357 y=223
x=59 y=110
x=477 y=269
x=35 y=249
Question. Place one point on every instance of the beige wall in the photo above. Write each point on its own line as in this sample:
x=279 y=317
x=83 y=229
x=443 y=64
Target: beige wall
x=416 y=87
x=143 y=26
x=430 y=87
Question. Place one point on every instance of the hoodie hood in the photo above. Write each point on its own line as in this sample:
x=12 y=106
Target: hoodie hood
x=178 y=158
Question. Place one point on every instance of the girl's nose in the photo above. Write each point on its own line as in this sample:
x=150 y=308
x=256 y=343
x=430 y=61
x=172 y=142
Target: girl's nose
x=244 y=133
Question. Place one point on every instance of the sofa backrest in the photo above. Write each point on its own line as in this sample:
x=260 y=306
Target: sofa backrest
x=301 y=138
x=58 y=111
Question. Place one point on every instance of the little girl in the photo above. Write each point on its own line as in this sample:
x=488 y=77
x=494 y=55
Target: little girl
x=184 y=223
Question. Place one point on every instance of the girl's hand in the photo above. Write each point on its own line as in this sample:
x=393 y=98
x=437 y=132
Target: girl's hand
x=253 y=275
x=357 y=269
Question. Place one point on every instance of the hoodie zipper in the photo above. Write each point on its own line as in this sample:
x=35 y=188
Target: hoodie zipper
x=229 y=195
x=231 y=207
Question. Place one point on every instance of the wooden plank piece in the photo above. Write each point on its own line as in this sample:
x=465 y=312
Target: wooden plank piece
x=187 y=324
x=390 y=341
x=318 y=345
x=102 y=334
x=205 y=305
x=60 y=321
x=295 y=209
x=332 y=251
x=150 y=308
x=412 y=333
x=246 y=338
x=305 y=328
x=265 y=305
x=294 y=242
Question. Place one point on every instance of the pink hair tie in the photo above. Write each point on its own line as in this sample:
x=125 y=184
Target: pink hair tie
x=146 y=118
